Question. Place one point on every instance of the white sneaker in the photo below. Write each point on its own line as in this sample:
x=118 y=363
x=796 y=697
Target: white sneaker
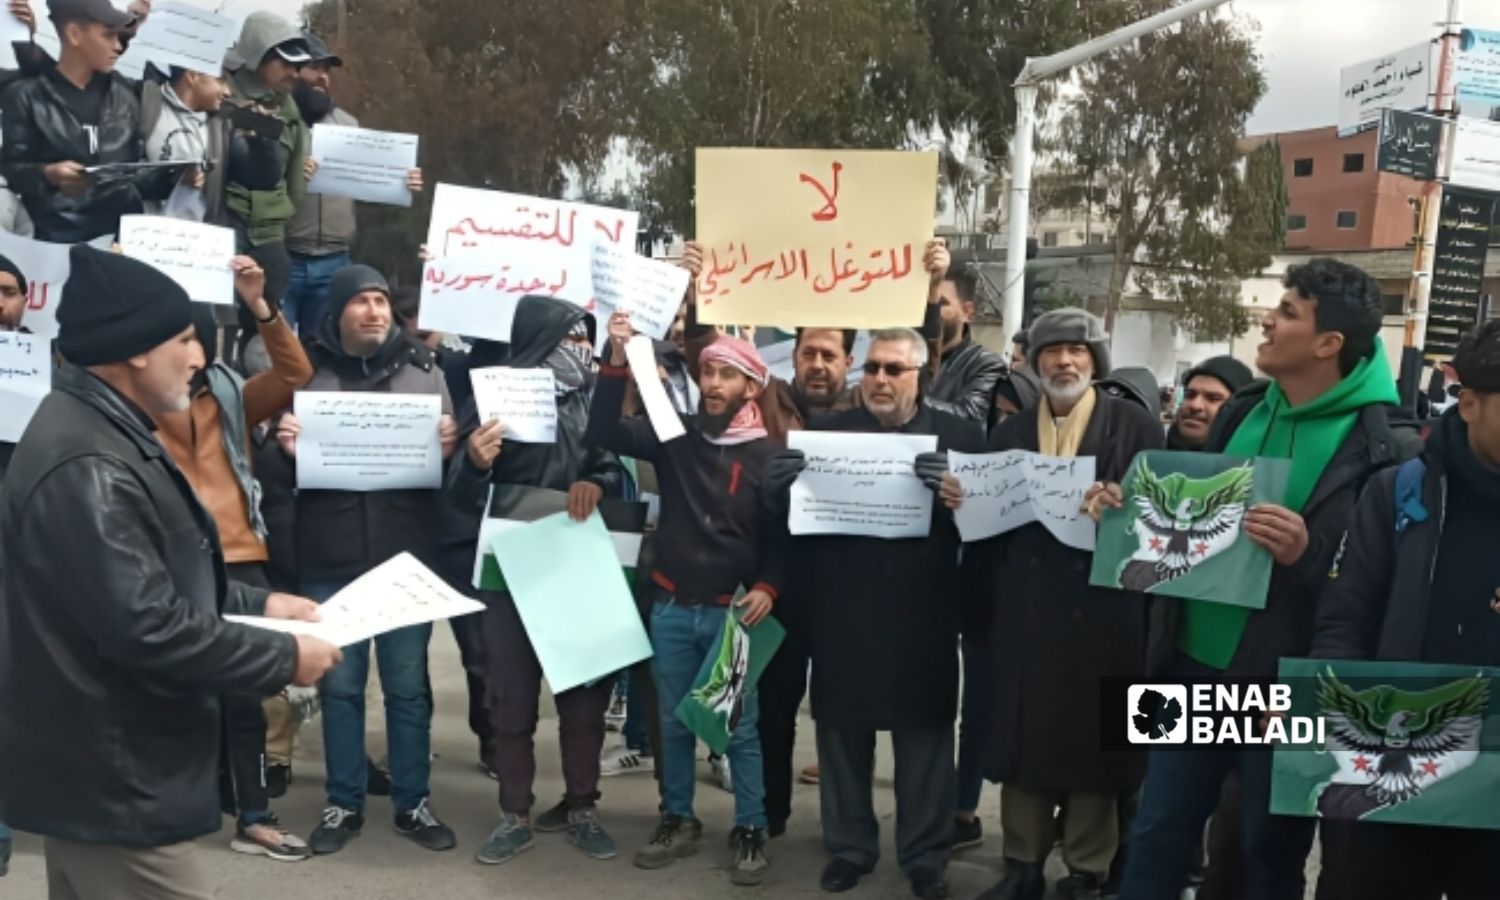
x=719 y=765
x=624 y=761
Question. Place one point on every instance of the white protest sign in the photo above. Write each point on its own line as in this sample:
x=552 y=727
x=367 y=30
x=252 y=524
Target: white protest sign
x=1005 y=490
x=25 y=378
x=196 y=256
x=47 y=267
x=12 y=30
x=363 y=164
x=524 y=400
x=1400 y=80
x=474 y=298
x=536 y=239
x=1476 y=154
x=649 y=290
x=642 y=359
x=182 y=35
x=860 y=484
x=368 y=441
x=398 y=593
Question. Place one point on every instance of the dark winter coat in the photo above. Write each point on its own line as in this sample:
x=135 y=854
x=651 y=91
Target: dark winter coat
x=885 y=614
x=113 y=652
x=1382 y=437
x=965 y=382
x=1052 y=637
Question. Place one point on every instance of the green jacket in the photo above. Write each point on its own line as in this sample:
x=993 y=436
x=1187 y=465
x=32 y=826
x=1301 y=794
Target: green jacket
x=265 y=213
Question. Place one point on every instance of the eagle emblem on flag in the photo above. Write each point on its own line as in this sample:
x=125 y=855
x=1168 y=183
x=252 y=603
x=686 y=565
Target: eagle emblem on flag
x=1180 y=522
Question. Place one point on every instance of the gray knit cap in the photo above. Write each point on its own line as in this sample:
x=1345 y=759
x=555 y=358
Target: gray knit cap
x=1071 y=326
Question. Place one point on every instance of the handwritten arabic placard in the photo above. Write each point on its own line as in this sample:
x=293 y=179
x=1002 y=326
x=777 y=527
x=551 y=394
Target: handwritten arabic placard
x=182 y=35
x=524 y=400
x=196 y=256
x=368 y=441
x=1478 y=71
x=548 y=243
x=860 y=484
x=363 y=164
x=1476 y=155
x=1458 y=271
x=474 y=298
x=1400 y=80
x=1409 y=144
x=819 y=238
x=47 y=268
x=398 y=593
x=1003 y=491
x=649 y=290
x=25 y=379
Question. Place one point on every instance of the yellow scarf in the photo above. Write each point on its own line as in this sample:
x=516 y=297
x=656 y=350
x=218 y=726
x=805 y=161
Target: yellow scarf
x=1064 y=441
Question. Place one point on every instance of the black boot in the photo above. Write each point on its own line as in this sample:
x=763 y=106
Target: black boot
x=1022 y=881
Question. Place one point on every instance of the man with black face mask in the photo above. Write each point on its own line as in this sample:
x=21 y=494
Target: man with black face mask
x=319 y=236
x=209 y=442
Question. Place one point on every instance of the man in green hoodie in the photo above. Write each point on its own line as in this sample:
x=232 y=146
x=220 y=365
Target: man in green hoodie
x=1330 y=408
x=261 y=71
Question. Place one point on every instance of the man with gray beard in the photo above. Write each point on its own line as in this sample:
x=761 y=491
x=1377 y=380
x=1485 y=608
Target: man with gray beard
x=1053 y=637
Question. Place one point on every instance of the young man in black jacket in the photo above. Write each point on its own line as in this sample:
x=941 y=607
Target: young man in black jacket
x=1332 y=400
x=1418 y=580
x=967 y=371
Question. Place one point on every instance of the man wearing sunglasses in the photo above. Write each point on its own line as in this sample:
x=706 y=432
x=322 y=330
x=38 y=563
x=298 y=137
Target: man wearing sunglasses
x=884 y=631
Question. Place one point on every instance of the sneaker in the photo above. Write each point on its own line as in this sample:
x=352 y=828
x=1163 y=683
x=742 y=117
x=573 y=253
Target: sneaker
x=674 y=839
x=268 y=838
x=422 y=826
x=809 y=774
x=506 y=842
x=377 y=780
x=337 y=827
x=553 y=820
x=278 y=778
x=585 y=833
x=719 y=765
x=624 y=761
x=967 y=833
x=750 y=863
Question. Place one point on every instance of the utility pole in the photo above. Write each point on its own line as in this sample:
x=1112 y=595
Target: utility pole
x=1032 y=75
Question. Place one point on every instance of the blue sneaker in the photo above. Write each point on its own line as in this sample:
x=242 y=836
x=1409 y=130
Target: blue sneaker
x=509 y=840
x=585 y=833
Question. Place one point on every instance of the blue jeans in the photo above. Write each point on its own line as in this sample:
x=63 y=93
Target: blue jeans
x=634 y=730
x=974 y=725
x=306 y=300
x=401 y=656
x=682 y=637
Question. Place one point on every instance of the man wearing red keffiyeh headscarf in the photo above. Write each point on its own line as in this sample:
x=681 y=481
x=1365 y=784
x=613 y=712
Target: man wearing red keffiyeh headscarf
x=739 y=421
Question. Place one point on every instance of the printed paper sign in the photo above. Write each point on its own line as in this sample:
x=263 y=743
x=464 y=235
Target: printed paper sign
x=368 y=441
x=649 y=290
x=825 y=238
x=524 y=400
x=182 y=35
x=198 y=257
x=860 y=484
x=363 y=164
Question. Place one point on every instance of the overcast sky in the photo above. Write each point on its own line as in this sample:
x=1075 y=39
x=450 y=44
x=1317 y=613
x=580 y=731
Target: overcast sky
x=1305 y=43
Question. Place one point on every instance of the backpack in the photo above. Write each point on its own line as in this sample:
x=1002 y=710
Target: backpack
x=1408 y=495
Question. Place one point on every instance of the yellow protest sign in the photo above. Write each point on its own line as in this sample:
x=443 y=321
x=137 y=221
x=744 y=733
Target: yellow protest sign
x=823 y=238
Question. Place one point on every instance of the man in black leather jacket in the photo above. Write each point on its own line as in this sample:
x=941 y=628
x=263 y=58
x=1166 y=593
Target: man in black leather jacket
x=74 y=115
x=113 y=649
x=966 y=377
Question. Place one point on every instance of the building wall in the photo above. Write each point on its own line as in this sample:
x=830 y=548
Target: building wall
x=1384 y=217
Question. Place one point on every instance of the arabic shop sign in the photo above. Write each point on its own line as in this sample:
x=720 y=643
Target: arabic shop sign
x=1402 y=80
x=1409 y=144
x=819 y=238
x=1458 y=274
x=1478 y=72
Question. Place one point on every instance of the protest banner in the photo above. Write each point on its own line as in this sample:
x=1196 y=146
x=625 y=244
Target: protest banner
x=363 y=164
x=860 y=484
x=47 y=267
x=1478 y=71
x=714 y=706
x=1411 y=743
x=818 y=238
x=579 y=615
x=25 y=379
x=513 y=505
x=535 y=241
x=524 y=400
x=198 y=257
x=368 y=441
x=1179 y=532
x=1400 y=80
x=398 y=593
x=179 y=34
x=1005 y=490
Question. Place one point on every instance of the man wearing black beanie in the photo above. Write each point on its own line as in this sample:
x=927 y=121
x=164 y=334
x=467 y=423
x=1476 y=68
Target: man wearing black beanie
x=1205 y=389
x=113 y=649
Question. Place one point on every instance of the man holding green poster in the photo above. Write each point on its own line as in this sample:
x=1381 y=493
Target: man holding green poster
x=1419 y=581
x=1330 y=409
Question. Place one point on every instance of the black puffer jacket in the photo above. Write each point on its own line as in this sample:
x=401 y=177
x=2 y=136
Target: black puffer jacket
x=112 y=647
x=41 y=130
x=540 y=324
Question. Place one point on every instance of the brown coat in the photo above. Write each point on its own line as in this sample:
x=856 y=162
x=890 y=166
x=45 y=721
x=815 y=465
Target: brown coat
x=196 y=444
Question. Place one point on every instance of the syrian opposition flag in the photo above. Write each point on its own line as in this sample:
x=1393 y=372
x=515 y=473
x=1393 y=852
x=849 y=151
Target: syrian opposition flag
x=513 y=505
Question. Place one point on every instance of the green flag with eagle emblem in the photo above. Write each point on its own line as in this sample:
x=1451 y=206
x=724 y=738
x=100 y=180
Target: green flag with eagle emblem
x=1413 y=743
x=1180 y=532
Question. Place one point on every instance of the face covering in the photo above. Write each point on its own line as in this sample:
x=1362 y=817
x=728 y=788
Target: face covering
x=311 y=102
x=572 y=364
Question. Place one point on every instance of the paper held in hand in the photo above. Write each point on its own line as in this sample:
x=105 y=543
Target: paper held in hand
x=860 y=484
x=1003 y=491
x=363 y=164
x=524 y=400
x=198 y=257
x=368 y=441
x=25 y=380
x=649 y=290
x=664 y=419
x=398 y=593
x=181 y=35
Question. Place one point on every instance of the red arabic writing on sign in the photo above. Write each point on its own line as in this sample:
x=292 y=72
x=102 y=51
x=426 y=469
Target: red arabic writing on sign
x=830 y=208
x=553 y=225
x=847 y=269
x=497 y=282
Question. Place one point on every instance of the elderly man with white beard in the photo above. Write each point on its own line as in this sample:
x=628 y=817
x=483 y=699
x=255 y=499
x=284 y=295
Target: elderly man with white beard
x=1053 y=637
